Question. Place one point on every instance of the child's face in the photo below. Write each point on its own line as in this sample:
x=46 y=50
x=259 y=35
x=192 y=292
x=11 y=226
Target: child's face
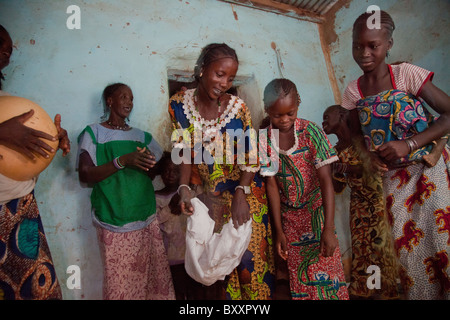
x=283 y=113
x=370 y=47
x=331 y=121
x=171 y=174
x=121 y=102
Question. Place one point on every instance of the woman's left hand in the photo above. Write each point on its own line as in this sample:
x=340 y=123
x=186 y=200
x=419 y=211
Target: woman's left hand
x=240 y=210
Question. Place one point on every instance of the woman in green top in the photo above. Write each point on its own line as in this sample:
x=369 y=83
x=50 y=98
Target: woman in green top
x=118 y=161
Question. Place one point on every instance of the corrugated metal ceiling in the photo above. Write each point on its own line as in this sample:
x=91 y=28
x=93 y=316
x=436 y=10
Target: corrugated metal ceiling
x=319 y=7
x=312 y=10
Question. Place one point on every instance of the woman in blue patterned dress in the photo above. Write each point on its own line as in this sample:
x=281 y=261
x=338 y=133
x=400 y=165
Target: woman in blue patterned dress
x=207 y=115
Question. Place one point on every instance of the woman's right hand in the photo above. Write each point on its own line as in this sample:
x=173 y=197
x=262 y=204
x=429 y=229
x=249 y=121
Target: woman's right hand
x=17 y=136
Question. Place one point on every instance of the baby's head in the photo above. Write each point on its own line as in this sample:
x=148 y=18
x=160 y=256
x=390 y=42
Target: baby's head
x=334 y=117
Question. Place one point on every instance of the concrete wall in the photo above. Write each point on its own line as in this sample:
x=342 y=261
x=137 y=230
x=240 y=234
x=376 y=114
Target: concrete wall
x=138 y=42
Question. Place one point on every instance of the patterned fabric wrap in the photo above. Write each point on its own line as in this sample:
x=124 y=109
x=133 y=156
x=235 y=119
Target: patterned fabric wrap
x=418 y=202
x=311 y=275
x=417 y=197
x=26 y=267
x=135 y=265
x=393 y=115
x=253 y=279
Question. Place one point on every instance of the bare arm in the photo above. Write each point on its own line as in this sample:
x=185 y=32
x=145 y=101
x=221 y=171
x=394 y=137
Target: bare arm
x=90 y=173
x=185 y=195
x=240 y=210
x=273 y=196
x=328 y=241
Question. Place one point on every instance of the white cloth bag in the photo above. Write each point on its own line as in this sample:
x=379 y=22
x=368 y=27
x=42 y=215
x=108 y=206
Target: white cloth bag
x=212 y=256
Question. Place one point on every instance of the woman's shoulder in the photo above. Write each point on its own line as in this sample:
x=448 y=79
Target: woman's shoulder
x=406 y=69
x=351 y=95
x=409 y=77
x=93 y=127
x=352 y=87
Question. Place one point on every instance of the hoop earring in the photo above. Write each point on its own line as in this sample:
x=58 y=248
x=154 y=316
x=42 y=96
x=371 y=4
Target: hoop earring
x=387 y=54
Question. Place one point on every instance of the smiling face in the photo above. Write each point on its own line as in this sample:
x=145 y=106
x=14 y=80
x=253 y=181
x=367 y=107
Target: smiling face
x=6 y=48
x=121 y=102
x=283 y=113
x=370 y=46
x=217 y=77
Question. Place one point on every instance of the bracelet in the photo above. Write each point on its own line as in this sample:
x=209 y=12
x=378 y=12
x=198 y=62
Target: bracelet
x=117 y=164
x=183 y=185
x=412 y=144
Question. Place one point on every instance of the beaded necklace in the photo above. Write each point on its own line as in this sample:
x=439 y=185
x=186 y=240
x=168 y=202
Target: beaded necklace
x=125 y=126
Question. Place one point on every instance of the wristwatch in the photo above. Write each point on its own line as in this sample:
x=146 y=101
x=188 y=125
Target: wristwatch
x=246 y=189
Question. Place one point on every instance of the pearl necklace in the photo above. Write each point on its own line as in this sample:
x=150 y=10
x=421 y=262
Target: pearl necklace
x=125 y=126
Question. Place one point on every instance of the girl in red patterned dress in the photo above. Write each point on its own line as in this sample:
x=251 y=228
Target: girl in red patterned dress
x=301 y=196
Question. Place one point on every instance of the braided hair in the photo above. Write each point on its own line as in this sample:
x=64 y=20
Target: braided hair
x=211 y=53
x=278 y=89
x=386 y=22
